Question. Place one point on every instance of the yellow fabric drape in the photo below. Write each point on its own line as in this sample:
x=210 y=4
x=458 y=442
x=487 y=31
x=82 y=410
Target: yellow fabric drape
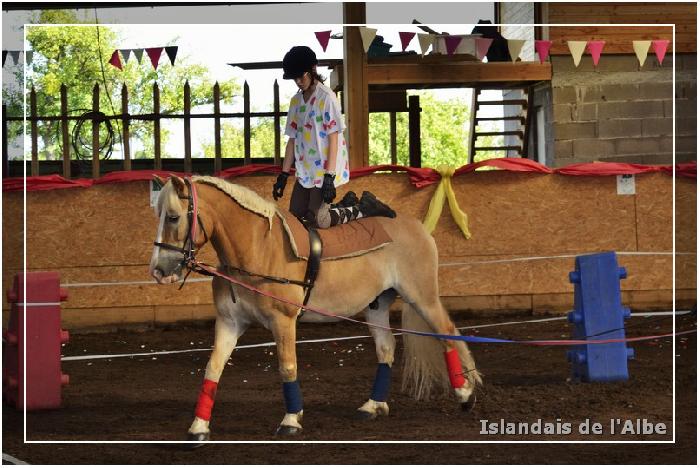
x=444 y=190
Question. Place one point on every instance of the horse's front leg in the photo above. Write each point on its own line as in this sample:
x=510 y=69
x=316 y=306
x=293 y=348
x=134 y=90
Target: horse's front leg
x=227 y=332
x=284 y=330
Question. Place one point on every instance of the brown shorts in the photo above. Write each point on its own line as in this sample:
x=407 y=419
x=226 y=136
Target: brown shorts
x=307 y=203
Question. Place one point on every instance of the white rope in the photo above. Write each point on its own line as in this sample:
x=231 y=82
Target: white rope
x=12 y=460
x=450 y=264
x=341 y=338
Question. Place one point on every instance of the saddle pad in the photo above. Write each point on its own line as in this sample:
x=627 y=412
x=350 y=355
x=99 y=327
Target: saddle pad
x=345 y=240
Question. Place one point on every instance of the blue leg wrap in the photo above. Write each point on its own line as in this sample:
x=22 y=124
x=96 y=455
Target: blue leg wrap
x=382 y=381
x=292 y=396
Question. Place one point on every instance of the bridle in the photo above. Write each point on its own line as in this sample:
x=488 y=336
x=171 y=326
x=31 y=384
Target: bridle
x=189 y=250
x=189 y=246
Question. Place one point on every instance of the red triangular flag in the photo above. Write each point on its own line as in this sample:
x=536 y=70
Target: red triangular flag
x=406 y=39
x=542 y=48
x=154 y=55
x=115 y=60
x=323 y=37
x=660 y=47
x=451 y=43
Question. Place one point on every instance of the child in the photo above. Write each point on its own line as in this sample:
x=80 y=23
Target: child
x=318 y=150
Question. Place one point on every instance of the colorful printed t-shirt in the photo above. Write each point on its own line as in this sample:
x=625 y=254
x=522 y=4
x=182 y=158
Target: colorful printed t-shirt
x=310 y=123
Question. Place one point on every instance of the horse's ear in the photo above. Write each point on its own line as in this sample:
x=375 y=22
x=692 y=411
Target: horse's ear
x=158 y=180
x=179 y=185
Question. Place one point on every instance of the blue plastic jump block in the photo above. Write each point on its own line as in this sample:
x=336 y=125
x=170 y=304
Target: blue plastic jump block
x=598 y=315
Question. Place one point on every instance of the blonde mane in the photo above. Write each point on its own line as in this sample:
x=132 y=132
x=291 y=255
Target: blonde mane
x=244 y=196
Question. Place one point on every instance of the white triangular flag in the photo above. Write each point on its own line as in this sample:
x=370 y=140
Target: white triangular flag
x=641 y=48
x=425 y=40
x=368 y=35
x=138 y=53
x=126 y=53
x=514 y=48
x=576 y=48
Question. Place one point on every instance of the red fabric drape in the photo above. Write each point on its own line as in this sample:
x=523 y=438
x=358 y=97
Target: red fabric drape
x=419 y=177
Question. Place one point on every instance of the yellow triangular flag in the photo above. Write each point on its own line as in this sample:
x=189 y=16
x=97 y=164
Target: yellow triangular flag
x=367 y=36
x=641 y=48
x=576 y=48
x=514 y=48
x=424 y=40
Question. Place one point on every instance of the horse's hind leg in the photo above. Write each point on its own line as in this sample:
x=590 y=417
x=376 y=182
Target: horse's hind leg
x=385 y=344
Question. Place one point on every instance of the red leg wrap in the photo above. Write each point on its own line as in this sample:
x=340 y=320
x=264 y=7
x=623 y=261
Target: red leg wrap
x=206 y=400
x=454 y=368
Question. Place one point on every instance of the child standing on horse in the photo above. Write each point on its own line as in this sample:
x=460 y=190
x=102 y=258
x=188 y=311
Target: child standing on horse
x=318 y=150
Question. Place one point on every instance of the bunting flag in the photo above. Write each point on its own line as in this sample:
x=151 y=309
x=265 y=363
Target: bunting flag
x=576 y=48
x=138 y=53
x=451 y=43
x=323 y=37
x=482 y=47
x=641 y=48
x=172 y=53
x=29 y=57
x=154 y=54
x=367 y=35
x=425 y=40
x=115 y=61
x=15 y=56
x=542 y=48
x=4 y=56
x=126 y=53
x=515 y=46
x=660 y=46
x=406 y=38
x=595 y=48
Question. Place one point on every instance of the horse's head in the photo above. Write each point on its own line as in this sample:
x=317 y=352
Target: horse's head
x=174 y=240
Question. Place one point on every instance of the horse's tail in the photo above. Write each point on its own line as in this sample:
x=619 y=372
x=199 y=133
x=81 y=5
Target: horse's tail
x=425 y=371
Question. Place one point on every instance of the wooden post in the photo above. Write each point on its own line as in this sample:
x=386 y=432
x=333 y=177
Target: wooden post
x=276 y=90
x=246 y=123
x=35 y=133
x=392 y=136
x=472 y=125
x=95 y=132
x=156 y=127
x=414 y=131
x=355 y=88
x=65 y=141
x=126 y=148
x=188 y=133
x=217 y=128
x=5 y=153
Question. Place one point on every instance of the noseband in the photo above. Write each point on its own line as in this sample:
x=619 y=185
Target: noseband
x=189 y=246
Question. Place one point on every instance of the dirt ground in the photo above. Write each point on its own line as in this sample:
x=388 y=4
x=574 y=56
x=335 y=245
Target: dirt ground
x=152 y=398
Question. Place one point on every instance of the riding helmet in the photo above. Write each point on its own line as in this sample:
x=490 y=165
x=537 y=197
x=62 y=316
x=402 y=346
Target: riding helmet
x=297 y=61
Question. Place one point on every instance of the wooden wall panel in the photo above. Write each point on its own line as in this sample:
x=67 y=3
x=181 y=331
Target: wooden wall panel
x=619 y=39
x=104 y=234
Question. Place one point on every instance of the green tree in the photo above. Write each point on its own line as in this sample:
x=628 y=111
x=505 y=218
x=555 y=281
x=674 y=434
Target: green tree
x=78 y=56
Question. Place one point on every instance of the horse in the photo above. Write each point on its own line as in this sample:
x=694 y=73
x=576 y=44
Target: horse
x=247 y=234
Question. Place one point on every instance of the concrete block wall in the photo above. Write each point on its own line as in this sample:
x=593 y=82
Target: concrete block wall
x=621 y=113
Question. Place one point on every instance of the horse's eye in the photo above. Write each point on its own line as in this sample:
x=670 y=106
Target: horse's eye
x=173 y=218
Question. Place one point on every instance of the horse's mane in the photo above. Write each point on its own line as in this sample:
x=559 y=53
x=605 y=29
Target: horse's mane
x=244 y=196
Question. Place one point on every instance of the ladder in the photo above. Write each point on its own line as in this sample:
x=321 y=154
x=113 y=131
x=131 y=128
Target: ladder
x=515 y=126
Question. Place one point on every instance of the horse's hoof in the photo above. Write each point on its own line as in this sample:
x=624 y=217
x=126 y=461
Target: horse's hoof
x=468 y=406
x=365 y=415
x=197 y=440
x=288 y=431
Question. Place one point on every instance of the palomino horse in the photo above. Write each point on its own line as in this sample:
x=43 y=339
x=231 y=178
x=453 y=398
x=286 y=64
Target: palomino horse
x=247 y=233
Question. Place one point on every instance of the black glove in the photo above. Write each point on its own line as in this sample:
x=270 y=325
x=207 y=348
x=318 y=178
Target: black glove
x=278 y=187
x=328 y=188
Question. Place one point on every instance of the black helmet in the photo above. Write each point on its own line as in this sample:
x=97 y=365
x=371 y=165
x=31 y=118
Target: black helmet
x=297 y=61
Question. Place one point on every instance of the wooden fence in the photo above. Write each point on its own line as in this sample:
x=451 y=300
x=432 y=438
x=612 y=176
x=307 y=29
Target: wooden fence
x=96 y=117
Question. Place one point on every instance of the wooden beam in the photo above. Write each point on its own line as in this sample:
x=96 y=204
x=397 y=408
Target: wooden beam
x=409 y=74
x=355 y=88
